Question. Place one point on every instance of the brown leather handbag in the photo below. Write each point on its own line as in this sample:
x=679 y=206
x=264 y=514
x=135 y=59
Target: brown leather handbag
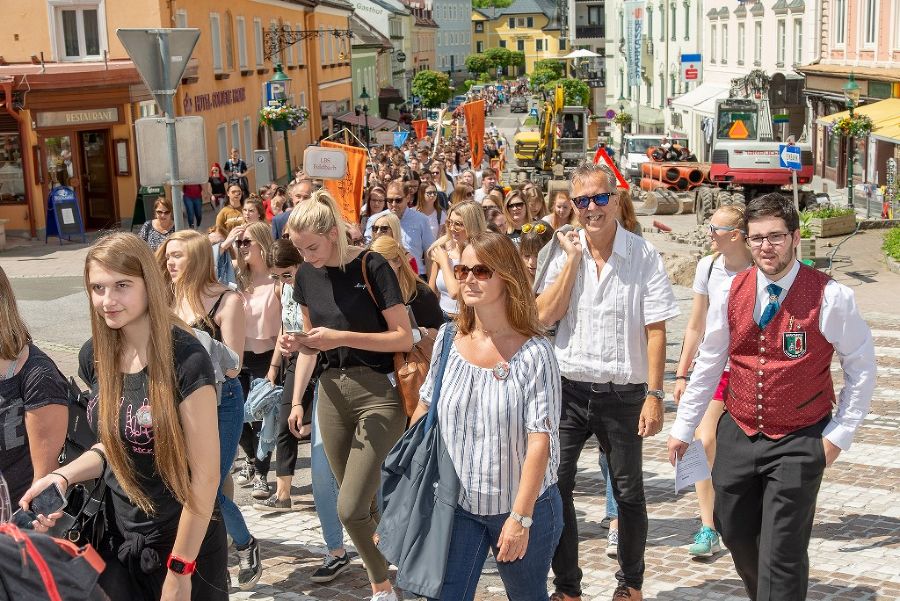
x=410 y=368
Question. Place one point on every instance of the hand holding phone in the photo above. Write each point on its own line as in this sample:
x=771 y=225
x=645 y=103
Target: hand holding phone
x=47 y=502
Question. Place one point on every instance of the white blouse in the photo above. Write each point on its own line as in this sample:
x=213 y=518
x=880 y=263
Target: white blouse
x=485 y=421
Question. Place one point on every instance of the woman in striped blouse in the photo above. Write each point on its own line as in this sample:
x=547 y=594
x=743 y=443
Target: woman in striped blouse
x=499 y=410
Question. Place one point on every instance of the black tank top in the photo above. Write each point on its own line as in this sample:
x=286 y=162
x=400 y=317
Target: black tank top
x=209 y=324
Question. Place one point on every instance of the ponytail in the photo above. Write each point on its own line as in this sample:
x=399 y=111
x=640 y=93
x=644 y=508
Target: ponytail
x=319 y=215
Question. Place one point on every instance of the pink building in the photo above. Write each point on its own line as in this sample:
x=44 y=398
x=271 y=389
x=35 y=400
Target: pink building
x=859 y=37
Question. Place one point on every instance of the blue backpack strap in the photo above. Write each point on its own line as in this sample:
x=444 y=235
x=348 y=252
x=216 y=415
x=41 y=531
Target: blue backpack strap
x=449 y=334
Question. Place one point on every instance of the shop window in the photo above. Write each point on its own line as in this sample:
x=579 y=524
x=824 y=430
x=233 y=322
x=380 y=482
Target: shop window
x=299 y=46
x=833 y=150
x=60 y=168
x=840 y=21
x=222 y=143
x=229 y=41
x=215 y=38
x=12 y=175
x=258 y=41
x=80 y=29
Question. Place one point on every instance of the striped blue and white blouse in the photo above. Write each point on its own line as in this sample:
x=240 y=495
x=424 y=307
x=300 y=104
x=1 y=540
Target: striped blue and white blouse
x=485 y=422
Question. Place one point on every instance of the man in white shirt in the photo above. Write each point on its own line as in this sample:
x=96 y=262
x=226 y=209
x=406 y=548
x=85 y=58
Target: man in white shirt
x=488 y=181
x=611 y=295
x=780 y=325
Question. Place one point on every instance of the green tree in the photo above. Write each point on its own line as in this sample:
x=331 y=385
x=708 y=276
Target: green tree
x=498 y=57
x=478 y=63
x=515 y=59
x=576 y=92
x=432 y=86
x=491 y=3
x=541 y=77
x=552 y=65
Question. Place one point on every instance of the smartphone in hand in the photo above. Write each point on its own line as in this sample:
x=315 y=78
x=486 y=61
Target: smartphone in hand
x=47 y=502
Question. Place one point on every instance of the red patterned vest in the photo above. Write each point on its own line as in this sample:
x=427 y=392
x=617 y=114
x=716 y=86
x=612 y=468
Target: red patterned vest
x=781 y=375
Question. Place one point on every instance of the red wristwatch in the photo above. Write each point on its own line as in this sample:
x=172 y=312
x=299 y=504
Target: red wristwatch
x=181 y=566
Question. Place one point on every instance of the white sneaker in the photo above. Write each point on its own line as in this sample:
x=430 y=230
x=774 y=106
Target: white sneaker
x=385 y=596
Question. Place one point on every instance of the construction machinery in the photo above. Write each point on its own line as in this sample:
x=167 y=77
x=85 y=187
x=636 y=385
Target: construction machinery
x=557 y=147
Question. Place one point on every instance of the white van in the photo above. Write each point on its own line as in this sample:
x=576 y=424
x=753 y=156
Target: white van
x=634 y=152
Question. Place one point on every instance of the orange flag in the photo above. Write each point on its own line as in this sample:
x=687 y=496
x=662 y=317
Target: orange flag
x=348 y=191
x=474 y=112
x=421 y=127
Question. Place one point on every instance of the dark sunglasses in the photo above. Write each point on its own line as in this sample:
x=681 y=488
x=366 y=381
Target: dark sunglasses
x=601 y=200
x=396 y=199
x=515 y=205
x=163 y=212
x=381 y=229
x=245 y=243
x=481 y=272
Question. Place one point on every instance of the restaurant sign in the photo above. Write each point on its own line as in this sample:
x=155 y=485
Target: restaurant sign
x=80 y=117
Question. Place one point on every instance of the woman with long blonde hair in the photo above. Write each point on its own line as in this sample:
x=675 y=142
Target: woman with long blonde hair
x=463 y=221
x=354 y=314
x=501 y=388
x=153 y=405
x=34 y=410
x=517 y=213
x=186 y=261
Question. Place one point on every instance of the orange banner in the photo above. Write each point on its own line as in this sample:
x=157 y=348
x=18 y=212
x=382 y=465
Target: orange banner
x=421 y=127
x=348 y=191
x=474 y=112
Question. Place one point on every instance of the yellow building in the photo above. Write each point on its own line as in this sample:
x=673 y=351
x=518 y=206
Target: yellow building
x=69 y=94
x=528 y=26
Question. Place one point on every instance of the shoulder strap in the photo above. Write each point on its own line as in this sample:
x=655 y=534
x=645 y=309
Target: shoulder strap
x=365 y=275
x=712 y=264
x=215 y=307
x=449 y=335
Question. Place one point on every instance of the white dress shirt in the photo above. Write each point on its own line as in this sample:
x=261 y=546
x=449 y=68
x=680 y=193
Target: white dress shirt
x=840 y=324
x=601 y=338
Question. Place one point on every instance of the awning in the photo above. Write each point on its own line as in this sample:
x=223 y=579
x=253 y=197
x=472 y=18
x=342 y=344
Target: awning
x=890 y=133
x=844 y=71
x=390 y=94
x=375 y=122
x=885 y=116
x=702 y=99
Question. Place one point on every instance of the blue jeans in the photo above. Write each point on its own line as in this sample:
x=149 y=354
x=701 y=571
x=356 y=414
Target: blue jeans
x=194 y=209
x=231 y=423
x=324 y=486
x=612 y=510
x=524 y=579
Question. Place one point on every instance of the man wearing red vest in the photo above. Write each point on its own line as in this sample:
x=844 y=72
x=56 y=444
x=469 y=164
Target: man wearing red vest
x=779 y=324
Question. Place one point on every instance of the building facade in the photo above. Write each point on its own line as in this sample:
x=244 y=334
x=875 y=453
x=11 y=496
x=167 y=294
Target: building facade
x=454 y=37
x=862 y=38
x=389 y=18
x=528 y=26
x=69 y=114
x=424 y=36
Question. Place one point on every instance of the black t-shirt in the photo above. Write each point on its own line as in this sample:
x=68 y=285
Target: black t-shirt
x=193 y=370
x=426 y=307
x=38 y=384
x=338 y=299
x=217 y=185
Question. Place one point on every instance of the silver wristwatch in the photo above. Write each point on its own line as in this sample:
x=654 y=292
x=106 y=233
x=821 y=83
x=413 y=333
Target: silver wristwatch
x=660 y=394
x=524 y=520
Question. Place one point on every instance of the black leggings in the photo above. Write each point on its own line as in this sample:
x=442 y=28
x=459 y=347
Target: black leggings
x=286 y=443
x=255 y=365
x=208 y=583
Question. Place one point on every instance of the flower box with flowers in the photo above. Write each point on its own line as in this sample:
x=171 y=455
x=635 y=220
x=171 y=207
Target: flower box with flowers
x=283 y=117
x=856 y=126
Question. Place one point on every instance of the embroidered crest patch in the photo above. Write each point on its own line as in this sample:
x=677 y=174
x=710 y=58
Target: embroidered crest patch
x=794 y=344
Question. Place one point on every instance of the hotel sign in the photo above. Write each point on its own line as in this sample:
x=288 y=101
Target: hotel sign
x=82 y=117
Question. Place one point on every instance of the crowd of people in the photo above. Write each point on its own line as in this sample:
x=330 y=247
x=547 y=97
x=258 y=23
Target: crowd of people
x=557 y=307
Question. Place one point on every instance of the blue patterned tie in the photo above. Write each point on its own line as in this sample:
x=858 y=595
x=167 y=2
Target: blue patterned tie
x=772 y=308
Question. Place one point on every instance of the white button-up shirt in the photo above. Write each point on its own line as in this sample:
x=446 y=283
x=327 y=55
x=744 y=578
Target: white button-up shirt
x=840 y=323
x=601 y=338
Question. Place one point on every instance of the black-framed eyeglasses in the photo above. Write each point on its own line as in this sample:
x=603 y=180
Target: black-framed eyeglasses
x=481 y=272
x=776 y=239
x=245 y=243
x=601 y=200
x=381 y=229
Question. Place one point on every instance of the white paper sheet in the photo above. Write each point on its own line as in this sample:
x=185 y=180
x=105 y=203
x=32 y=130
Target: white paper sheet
x=692 y=467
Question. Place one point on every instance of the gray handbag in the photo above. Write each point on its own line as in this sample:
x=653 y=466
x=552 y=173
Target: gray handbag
x=420 y=490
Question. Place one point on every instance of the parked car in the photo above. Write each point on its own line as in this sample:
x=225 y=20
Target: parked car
x=456 y=102
x=518 y=104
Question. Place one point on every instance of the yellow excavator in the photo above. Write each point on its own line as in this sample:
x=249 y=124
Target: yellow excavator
x=560 y=141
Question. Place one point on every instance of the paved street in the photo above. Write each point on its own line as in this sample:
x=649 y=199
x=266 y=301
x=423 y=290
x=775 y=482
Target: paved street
x=855 y=550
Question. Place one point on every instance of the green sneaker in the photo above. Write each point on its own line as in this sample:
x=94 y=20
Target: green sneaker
x=706 y=543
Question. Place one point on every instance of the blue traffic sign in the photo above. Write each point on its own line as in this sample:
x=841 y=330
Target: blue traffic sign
x=789 y=157
x=533 y=112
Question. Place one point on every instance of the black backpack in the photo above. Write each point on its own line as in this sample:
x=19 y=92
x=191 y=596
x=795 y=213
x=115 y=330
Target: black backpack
x=38 y=567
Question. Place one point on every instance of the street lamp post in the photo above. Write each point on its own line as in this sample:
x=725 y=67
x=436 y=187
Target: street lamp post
x=364 y=98
x=282 y=82
x=851 y=95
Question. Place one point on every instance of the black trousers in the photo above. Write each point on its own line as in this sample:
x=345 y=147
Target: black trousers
x=611 y=413
x=255 y=365
x=286 y=443
x=765 y=503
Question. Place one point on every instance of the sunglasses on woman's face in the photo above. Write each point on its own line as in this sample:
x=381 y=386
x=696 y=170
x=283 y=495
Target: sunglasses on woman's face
x=481 y=272
x=161 y=213
x=245 y=243
x=601 y=200
x=515 y=205
x=381 y=229
x=287 y=276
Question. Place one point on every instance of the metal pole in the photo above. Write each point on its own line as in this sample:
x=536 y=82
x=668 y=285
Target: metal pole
x=366 y=113
x=796 y=192
x=287 y=157
x=850 y=164
x=169 y=109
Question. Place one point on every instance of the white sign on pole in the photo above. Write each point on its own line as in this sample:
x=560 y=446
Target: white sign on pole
x=634 y=30
x=150 y=139
x=384 y=138
x=325 y=163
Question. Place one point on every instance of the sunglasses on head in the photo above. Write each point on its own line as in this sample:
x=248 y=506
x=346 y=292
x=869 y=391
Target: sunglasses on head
x=245 y=243
x=481 y=272
x=539 y=228
x=601 y=200
x=381 y=229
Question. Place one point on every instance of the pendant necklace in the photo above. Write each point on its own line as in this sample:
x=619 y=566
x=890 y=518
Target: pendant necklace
x=501 y=370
